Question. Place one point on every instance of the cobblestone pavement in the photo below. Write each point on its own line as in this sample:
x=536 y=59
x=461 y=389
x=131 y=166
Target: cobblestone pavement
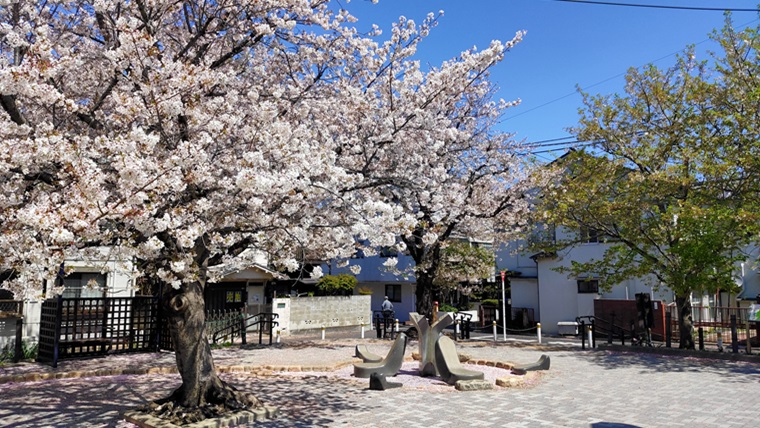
x=596 y=389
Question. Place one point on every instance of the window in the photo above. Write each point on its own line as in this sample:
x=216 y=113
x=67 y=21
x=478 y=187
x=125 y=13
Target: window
x=84 y=284
x=393 y=291
x=588 y=286
x=590 y=235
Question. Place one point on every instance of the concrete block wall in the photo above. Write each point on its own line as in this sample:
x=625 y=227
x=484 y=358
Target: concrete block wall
x=309 y=313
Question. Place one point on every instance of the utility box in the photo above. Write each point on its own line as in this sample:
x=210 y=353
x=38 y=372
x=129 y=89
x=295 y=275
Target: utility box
x=567 y=328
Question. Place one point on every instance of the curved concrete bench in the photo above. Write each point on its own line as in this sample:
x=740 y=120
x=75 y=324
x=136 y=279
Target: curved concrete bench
x=366 y=356
x=543 y=363
x=447 y=362
x=389 y=366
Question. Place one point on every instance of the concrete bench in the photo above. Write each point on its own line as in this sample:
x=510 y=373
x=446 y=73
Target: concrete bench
x=365 y=354
x=389 y=366
x=447 y=362
x=543 y=363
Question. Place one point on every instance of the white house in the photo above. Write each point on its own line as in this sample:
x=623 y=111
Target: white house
x=555 y=297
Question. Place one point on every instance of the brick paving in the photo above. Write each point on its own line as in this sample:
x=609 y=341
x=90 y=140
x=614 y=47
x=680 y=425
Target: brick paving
x=598 y=389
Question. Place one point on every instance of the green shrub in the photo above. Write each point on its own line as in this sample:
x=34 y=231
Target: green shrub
x=28 y=352
x=490 y=302
x=447 y=308
x=337 y=285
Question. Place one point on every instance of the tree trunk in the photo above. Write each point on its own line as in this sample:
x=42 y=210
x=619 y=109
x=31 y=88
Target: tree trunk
x=685 y=324
x=424 y=295
x=202 y=393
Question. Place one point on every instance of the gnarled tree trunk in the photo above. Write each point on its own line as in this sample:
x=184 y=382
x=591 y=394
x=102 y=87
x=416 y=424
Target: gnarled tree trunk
x=685 y=324
x=202 y=393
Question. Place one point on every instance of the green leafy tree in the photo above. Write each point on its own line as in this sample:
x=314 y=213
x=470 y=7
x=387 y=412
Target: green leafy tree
x=659 y=183
x=463 y=266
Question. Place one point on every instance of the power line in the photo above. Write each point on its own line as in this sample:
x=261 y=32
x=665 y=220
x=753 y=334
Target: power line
x=659 y=6
x=550 y=140
x=553 y=144
x=612 y=77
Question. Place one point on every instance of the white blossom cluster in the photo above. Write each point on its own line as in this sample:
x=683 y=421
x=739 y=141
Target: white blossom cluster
x=185 y=132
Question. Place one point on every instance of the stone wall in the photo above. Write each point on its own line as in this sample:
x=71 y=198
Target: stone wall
x=311 y=313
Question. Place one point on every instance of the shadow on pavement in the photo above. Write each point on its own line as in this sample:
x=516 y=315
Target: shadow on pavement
x=612 y=425
x=100 y=401
x=742 y=372
x=82 y=402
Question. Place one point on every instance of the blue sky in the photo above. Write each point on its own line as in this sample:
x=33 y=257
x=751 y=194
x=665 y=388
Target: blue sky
x=567 y=44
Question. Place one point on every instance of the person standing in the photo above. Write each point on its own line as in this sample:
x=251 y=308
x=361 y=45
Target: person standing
x=387 y=308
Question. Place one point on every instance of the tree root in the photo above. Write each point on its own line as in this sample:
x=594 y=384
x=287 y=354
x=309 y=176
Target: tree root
x=220 y=403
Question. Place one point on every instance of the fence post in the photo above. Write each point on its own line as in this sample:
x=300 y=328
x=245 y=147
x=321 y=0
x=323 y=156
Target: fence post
x=57 y=338
x=362 y=329
x=734 y=338
x=592 y=334
x=494 y=331
x=456 y=329
x=701 y=338
x=583 y=335
x=538 y=331
x=18 y=350
x=668 y=328
x=323 y=332
x=395 y=329
x=612 y=328
x=749 y=339
x=243 y=329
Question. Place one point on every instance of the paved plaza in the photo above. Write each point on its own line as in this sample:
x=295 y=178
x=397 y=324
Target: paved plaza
x=598 y=388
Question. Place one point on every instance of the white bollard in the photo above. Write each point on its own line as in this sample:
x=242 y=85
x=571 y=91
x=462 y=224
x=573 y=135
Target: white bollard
x=590 y=336
x=456 y=329
x=362 y=330
x=395 y=326
x=278 y=336
x=494 y=331
x=323 y=332
x=538 y=330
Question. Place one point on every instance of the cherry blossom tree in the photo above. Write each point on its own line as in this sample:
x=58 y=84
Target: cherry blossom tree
x=432 y=147
x=185 y=135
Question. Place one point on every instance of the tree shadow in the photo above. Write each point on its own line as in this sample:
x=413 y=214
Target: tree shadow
x=733 y=371
x=100 y=401
x=303 y=402
x=80 y=402
x=612 y=425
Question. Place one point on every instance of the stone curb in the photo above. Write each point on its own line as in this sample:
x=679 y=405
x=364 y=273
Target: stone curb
x=260 y=370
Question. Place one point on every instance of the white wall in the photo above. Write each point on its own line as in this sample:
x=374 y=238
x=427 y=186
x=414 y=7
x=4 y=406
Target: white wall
x=510 y=257
x=310 y=313
x=525 y=294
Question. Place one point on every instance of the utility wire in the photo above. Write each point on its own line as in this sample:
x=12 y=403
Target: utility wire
x=659 y=6
x=611 y=77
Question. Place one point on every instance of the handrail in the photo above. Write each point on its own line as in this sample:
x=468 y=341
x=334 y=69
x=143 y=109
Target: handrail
x=241 y=326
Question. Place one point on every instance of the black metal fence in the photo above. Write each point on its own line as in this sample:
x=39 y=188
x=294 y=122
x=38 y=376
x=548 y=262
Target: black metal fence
x=715 y=324
x=715 y=328
x=95 y=326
